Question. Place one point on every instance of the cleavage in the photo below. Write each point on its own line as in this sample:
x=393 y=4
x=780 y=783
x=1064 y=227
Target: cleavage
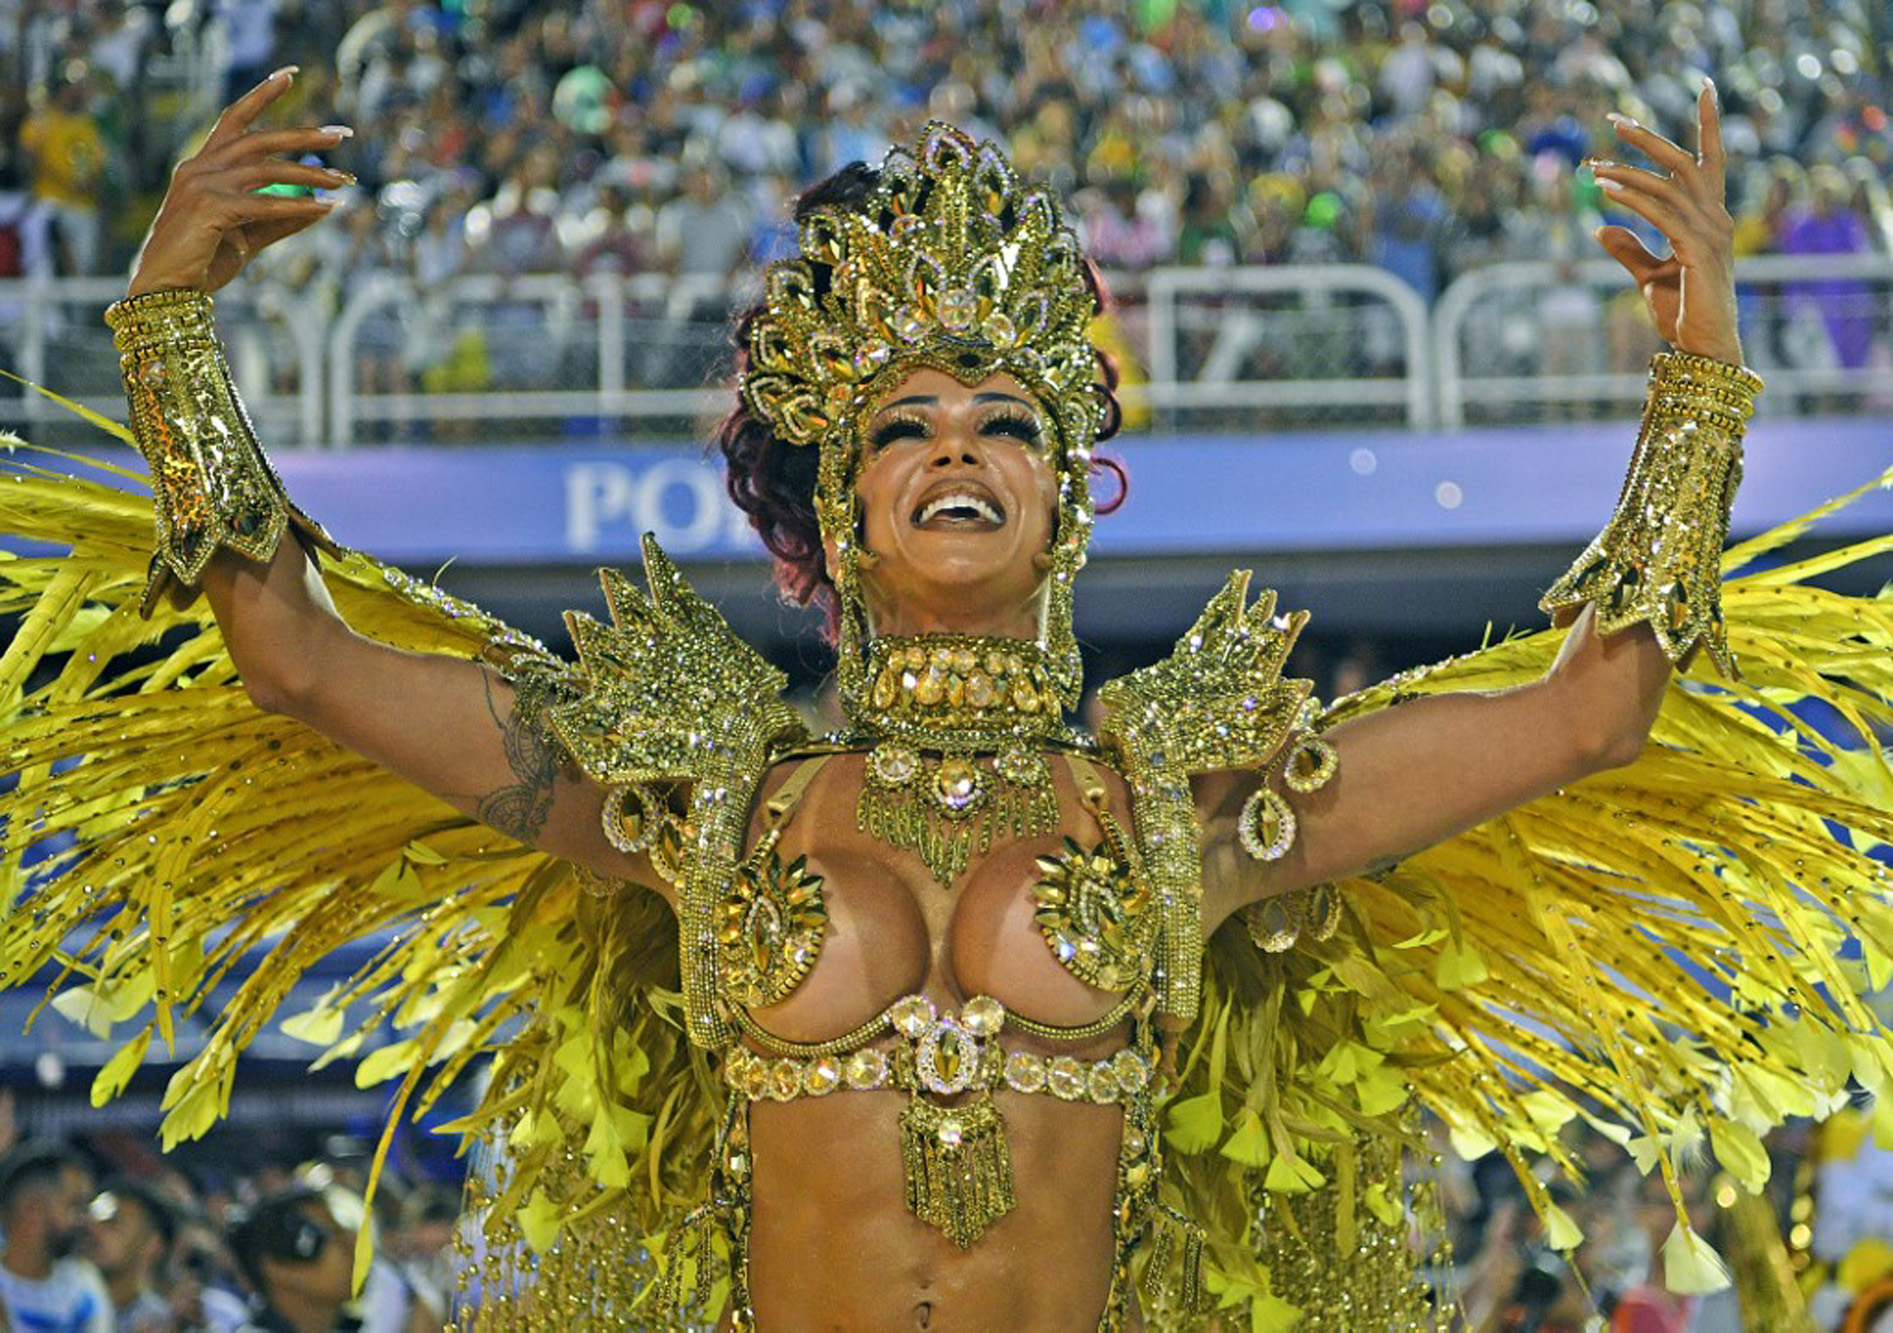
x=894 y=931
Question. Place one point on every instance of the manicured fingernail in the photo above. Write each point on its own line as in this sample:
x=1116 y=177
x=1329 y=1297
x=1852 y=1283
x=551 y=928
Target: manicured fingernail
x=1617 y=118
x=347 y=176
x=337 y=131
x=286 y=72
x=1599 y=163
x=1611 y=185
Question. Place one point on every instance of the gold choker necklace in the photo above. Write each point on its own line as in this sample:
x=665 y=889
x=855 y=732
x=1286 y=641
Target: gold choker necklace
x=958 y=724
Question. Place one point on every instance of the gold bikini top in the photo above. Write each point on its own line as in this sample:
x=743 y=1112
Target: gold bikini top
x=1094 y=909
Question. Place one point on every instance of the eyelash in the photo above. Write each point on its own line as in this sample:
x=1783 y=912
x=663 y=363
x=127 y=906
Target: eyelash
x=909 y=424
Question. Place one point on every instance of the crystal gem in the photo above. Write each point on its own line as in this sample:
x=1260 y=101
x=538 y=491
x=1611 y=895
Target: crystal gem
x=947 y=1057
x=931 y=688
x=1018 y=764
x=1025 y=1072
x=756 y=1078
x=983 y=1015
x=1024 y=697
x=912 y=1016
x=1103 y=1082
x=957 y=307
x=821 y=1077
x=951 y=1133
x=785 y=1079
x=958 y=783
x=999 y=329
x=1129 y=1066
x=980 y=691
x=866 y=1069
x=871 y=357
x=1066 y=1078
x=1135 y=1142
x=886 y=689
x=895 y=765
x=910 y=324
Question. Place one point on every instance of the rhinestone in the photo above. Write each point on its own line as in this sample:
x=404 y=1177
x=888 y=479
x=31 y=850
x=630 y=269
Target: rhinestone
x=983 y=1015
x=886 y=689
x=1066 y=1078
x=866 y=1070
x=910 y=324
x=821 y=1077
x=947 y=1058
x=958 y=308
x=959 y=785
x=895 y=765
x=1024 y=1072
x=980 y=691
x=1130 y=1069
x=785 y=1079
x=871 y=358
x=913 y=1016
x=1135 y=1142
x=950 y=1133
x=1267 y=825
x=931 y=688
x=1102 y=1081
x=756 y=1079
x=998 y=328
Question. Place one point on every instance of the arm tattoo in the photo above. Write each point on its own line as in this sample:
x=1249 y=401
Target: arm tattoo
x=519 y=811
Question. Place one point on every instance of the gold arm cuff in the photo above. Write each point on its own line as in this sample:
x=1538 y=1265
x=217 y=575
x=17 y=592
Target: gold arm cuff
x=1658 y=560
x=212 y=487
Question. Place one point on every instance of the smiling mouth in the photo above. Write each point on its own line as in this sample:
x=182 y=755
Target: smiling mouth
x=960 y=508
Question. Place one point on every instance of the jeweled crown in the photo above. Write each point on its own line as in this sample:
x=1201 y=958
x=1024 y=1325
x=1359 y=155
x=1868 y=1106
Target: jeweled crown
x=953 y=262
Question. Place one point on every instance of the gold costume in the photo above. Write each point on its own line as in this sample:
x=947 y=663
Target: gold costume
x=1535 y=970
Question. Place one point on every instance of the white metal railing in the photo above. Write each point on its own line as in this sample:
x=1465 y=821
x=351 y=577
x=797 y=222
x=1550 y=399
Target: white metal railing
x=1792 y=310
x=1330 y=343
x=1239 y=326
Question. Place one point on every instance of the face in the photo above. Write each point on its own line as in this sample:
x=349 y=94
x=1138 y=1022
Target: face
x=120 y=1237
x=65 y=1205
x=958 y=490
x=325 y=1276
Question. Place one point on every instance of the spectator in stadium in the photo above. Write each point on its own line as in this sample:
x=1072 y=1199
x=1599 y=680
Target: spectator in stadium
x=44 y=1285
x=298 y=1262
x=132 y=1232
x=67 y=155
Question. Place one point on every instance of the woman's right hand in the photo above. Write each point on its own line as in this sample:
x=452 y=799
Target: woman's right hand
x=212 y=220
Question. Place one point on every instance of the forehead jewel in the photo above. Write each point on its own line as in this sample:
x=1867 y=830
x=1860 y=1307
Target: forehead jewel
x=951 y=262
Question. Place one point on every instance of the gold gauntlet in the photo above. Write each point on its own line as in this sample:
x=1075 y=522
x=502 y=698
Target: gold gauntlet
x=211 y=485
x=1658 y=560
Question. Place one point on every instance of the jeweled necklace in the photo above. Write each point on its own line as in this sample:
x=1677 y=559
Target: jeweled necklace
x=958 y=724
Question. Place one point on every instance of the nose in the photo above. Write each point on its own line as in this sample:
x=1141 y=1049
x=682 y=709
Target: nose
x=955 y=445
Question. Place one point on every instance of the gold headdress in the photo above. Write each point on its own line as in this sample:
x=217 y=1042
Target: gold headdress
x=954 y=264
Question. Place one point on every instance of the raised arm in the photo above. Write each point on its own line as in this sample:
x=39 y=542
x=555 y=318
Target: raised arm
x=1641 y=598
x=454 y=727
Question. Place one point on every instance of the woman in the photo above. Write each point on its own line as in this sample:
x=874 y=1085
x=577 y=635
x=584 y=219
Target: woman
x=946 y=961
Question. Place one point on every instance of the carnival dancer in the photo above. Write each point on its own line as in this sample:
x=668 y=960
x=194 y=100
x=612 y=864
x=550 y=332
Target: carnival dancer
x=876 y=1030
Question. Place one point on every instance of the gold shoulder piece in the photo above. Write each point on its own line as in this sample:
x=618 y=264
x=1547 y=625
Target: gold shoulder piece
x=1218 y=701
x=669 y=693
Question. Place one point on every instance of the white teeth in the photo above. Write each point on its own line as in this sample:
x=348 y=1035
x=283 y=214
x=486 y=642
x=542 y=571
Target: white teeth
x=959 y=501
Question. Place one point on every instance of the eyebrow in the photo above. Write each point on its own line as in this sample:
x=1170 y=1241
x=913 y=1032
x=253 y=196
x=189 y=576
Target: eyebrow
x=931 y=400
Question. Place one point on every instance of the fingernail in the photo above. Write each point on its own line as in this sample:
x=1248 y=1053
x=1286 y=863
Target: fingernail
x=1617 y=118
x=1596 y=163
x=347 y=176
x=286 y=72
x=337 y=131
x=1611 y=185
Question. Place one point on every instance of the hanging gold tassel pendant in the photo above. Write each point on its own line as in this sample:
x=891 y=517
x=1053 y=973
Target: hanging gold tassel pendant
x=958 y=1168
x=947 y=808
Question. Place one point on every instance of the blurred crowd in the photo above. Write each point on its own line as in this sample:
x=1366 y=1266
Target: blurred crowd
x=89 y=1247
x=103 y=1235
x=511 y=136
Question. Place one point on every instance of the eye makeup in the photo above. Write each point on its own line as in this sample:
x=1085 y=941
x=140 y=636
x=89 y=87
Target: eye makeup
x=901 y=423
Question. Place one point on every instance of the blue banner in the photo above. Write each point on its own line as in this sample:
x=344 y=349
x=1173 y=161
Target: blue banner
x=1196 y=495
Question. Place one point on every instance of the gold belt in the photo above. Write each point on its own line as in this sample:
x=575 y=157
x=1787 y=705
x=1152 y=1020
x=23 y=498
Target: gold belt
x=955 y=1157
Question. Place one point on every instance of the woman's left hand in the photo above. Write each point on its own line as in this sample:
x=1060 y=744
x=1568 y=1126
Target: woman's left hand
x=1691 y=294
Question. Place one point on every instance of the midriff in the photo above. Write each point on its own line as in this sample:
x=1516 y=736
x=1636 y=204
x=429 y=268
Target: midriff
x=833 y=1246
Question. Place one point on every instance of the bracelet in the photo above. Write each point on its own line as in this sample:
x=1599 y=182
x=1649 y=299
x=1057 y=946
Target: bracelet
x=1658 y=560
x=212 y=487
